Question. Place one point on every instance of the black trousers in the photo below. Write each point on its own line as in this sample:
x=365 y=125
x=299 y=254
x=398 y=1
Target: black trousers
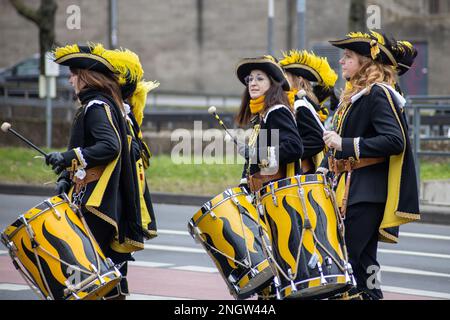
x=103 y=233
x=361 y=237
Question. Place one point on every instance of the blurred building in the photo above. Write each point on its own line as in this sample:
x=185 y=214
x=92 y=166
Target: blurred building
x=194 y=45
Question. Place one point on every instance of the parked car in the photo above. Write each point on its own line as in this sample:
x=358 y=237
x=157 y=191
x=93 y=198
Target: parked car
x=27 y=70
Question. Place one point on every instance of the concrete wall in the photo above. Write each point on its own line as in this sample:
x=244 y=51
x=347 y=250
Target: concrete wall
x=165 y=35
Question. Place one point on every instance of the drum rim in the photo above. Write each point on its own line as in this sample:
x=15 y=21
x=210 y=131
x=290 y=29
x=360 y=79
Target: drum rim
x=312 y=279
x=208 y=209
x=261 y=196
x=22 y=225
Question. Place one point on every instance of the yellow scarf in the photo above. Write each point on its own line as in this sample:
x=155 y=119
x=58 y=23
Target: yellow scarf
x=257 y=105
x=291 y=96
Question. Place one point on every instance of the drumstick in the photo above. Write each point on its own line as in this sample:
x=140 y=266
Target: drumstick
x=7 y=127
x=212 y=111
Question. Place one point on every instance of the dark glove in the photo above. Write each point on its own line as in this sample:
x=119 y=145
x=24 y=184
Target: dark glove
x=62 y=186
x=57 y=161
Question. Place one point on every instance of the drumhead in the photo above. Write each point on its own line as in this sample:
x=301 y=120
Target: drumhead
x=32 y=214
x=288 y=182
x=216 y=201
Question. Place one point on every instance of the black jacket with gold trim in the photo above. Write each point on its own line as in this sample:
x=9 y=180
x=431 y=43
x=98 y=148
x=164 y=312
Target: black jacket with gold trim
x=290 y=147
x=140 y=155
x=310 y=132
x=99 y=137
x=373 y=126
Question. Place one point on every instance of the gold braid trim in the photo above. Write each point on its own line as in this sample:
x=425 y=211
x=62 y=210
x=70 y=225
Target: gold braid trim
x=387 y=237
x=102 y=216
x=407 y=215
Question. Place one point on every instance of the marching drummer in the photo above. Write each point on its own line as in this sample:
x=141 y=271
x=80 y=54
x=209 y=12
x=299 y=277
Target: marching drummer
x=372 y=155
x=302 y=68
x=134 y=92
x=266 y=107
x=97 y=171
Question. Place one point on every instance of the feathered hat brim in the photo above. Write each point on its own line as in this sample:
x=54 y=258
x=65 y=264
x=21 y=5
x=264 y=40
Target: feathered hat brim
x=245 y=67
x=303 y=71
x=362 y=46
x=81 y=57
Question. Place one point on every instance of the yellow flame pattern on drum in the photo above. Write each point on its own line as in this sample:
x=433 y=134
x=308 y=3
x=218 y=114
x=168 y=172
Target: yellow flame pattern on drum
x=73 y=246
x=314 y=190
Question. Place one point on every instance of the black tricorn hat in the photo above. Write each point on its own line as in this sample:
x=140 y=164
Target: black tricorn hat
x=374 y=45
x=84 y=57
x=405 y=53
x=268 y=64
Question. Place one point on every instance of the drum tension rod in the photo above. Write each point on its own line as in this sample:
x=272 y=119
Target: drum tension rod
x=292 y=277
x=55 y=212
x=274 y=198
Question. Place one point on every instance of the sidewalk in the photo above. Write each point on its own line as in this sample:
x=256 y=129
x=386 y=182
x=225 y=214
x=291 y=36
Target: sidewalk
x=435 y=214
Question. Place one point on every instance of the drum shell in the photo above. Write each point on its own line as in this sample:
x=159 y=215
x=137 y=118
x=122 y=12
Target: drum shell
x=285 y=218
x=61 y=245
x=220 y=224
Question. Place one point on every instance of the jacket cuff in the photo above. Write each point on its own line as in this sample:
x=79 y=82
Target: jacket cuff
x=350 y=148
x=74 y=154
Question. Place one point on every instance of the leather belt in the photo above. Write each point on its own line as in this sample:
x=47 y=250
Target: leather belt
x=257 y=180
x=344 y=165
x=92 y=174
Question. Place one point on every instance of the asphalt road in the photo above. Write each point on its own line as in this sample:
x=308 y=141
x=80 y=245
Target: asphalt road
x=173 y=266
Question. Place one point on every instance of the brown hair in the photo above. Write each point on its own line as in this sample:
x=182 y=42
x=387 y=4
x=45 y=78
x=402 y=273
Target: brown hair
x=275 y=95
x=101 y=82
x=370 y=72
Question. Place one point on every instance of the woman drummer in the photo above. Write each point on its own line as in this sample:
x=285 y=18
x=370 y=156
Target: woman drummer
x=96 y=171
x=302 y=68
x=275 y=146
x=372 y=154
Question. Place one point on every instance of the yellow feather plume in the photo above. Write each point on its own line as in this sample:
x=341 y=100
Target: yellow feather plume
x=126 y=63
x=139 y=98
x=364 y=35
x=319 y=64
x=62 y=51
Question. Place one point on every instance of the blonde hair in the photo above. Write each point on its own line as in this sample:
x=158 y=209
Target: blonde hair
x=370 y=72
x=300 y=83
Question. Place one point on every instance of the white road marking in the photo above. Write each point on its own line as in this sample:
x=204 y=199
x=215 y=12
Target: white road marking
x=174 y=232
x=149 y=264
x=197 y=269
x=13 y=287
x=414 y=272
x=137 y=296
x=173 y=248
x=416 y=253
x=3 y=252
x=431 y=294
x=424 y=236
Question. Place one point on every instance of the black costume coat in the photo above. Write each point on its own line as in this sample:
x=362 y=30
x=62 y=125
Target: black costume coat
x=99 y=137
x=373 y=126
x=290 y=147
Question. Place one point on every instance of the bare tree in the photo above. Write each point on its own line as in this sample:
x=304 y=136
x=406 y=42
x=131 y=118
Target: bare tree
x=44 y=18
x=357 y=15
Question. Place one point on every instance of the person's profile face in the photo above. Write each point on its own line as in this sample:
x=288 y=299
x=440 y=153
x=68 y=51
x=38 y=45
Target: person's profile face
x=73 y=80
x=350 y=64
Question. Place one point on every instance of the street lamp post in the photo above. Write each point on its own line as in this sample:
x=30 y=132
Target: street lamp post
x=301 y=9
x=270 y=16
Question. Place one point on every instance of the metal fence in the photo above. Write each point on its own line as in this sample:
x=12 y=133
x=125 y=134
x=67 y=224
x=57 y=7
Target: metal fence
x=430 y=114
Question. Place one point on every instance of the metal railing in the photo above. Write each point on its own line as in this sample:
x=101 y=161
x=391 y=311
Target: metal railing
x=430 y=111
x=17 y=94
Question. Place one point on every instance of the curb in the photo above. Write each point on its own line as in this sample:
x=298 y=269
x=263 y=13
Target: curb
x=434 y=214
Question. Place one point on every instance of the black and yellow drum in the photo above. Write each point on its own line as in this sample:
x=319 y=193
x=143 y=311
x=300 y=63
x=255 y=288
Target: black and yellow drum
x=307 y=244
x=53 y=249
x=231 y=232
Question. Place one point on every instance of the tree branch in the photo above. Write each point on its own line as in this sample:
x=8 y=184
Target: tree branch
x=25 y=11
